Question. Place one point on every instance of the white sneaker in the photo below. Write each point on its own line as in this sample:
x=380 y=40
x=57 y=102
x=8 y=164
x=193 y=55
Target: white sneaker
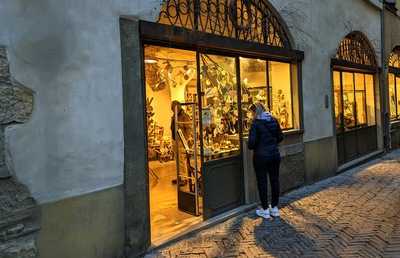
x=263 y=213
x=274 y=212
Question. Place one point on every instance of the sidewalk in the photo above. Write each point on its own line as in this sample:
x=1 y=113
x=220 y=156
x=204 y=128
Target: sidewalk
x=355 y=214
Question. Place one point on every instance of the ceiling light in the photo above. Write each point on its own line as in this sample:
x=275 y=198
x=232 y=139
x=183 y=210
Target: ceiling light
x=150 y=61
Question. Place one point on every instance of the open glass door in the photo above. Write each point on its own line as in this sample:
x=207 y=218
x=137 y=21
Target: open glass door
x=188 y=157
x=222 y=162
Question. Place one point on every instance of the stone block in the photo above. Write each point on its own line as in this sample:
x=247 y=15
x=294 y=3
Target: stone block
x=4 y=67
x=16 y=103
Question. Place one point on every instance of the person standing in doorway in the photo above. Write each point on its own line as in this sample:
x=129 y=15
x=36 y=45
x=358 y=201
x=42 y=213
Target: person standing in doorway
x=265 y=135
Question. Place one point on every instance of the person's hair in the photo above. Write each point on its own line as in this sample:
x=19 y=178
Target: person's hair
x=258 y=108
x=174 y=104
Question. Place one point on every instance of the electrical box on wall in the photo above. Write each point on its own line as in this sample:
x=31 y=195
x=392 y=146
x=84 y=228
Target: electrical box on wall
x=326 y=101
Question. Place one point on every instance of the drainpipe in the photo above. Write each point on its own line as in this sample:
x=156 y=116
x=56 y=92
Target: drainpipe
x=384 y=87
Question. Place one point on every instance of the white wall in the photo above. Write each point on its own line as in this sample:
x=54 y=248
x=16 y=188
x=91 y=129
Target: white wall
x=68 y=52
x=317 y=27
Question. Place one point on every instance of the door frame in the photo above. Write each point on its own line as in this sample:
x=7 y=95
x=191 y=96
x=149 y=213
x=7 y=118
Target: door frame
x=341 y=67
x=134 y=34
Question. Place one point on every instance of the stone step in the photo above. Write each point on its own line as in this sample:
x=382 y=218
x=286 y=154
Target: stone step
x=13 y=231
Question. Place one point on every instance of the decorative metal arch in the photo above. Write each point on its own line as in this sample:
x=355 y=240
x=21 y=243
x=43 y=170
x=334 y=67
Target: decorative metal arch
x=394 y=58
x=356 y=49
x=248 y=20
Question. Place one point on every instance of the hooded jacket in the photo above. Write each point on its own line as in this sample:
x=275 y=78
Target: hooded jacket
x=264 y=137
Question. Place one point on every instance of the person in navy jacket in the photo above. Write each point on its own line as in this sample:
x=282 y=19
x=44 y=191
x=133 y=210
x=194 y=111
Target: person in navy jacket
x=264 y=138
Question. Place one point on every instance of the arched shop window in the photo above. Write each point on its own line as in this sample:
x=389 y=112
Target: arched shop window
x=354 y=68
x=264 y=79
x=215 y=58
x=354 y=83
x=394 y=84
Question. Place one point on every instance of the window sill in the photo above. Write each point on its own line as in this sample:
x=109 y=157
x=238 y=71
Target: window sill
x=293 y=132
x=395 y=124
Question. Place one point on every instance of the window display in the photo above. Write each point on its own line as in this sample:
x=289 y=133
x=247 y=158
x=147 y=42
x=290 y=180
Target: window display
x=280 y=85
x=269 y=83
x=348 y=101
x=355 y=92
x=253 y=75
x=394 y=84
x=338 y=100
x=360 y=99
x=392 y=97
x=370 y=99
x=171 y=75
x=220 y=106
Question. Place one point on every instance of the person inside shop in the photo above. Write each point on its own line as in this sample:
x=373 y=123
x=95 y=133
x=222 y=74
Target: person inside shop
x=264 y=136
x=184 y=125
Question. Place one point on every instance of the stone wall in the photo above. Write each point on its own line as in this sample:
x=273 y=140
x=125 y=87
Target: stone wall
x=19 y=213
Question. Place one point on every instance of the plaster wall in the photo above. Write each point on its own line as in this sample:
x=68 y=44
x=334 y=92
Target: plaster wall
x=69 y=53
x=317 y=27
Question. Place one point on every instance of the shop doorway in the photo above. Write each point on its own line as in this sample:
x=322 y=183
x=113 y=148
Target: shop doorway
x=193 y=137
x=174 y=163
x=354 y=69
x=355 y=120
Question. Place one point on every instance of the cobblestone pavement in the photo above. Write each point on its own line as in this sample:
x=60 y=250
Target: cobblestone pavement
x=355 y=214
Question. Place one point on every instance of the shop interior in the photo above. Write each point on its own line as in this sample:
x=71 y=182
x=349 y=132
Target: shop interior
x=354 y=100
x=175 y=116
x=171 y=77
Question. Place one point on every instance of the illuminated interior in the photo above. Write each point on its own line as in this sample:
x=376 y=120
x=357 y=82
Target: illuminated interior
x=171 y=76
x=354 y=100
x=175 y=114
x=267 y=82
x=394 y=84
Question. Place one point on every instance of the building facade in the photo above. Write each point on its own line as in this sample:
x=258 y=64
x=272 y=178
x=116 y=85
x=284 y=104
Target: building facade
x=140 y=108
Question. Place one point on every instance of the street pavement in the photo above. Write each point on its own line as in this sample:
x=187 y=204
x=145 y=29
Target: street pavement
x=355 y=214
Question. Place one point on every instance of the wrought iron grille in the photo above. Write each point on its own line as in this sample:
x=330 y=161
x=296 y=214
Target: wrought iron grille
x=394 y=58
x=355 y=48
x=249 y=20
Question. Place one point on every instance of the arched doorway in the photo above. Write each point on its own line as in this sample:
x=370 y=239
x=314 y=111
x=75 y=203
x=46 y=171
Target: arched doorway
x=354 y=71
x=205 y=63
x=394 y=95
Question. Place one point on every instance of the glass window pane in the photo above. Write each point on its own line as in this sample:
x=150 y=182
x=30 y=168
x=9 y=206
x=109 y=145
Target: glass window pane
x=392 y=97
x=398 y=95
x=360 y=105
x=360 y=99
x=253 y=76
x=348 y=101
x=280 y=85
x=220 y=106
x=338 y=99
x=370 y=92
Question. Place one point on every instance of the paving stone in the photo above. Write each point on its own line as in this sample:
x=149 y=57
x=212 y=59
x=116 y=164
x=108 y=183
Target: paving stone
x=355 y=214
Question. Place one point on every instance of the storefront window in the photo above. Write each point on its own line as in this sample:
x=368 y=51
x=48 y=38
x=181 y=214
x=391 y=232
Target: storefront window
x=348 y=101
x=358 y=100
x=370 y=99
x=281 y=104
x=220 y=116
x=392 y=97
x=267 y=82
x=253 y=75
x=394 y=84
x=337 y=99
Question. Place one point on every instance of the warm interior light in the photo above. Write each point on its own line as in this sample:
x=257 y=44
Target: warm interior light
x=150 y=61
